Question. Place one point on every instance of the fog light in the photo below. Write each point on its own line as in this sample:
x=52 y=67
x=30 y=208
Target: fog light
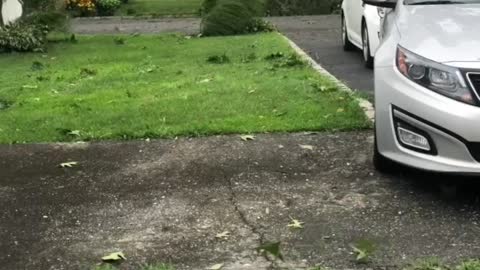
x=413 y=139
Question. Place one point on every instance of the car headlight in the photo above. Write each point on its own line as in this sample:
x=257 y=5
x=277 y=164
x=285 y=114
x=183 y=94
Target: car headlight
x=445 y=80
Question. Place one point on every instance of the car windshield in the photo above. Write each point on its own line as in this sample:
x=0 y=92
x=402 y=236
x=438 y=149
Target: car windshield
x=440 y=2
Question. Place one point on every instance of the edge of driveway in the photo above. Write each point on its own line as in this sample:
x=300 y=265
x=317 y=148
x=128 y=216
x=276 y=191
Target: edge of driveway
x=366 y=105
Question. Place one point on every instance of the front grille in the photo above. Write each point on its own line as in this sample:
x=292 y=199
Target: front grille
x=474 y=79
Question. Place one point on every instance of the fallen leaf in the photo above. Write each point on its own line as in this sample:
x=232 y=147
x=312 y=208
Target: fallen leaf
x=217 y=266
x=340 y=110
x=114 y=257
x=74 y=133
x=296 y=224
x=247 y=138
x=69 y=164
x=361 y=254
x=205 y=81
x=306 y=147
x=251 y=91
x=27 y=86
x=272 y=248
x=223 y=235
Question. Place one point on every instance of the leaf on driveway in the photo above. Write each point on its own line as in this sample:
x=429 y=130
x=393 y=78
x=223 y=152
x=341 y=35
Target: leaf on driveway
x=296 y=224
x=247 y=138
x=306 y=147
x=114 y=257
x=217 y=266
x=272 y=248
x=361 y=254
x=223 y=235
x=69 y=164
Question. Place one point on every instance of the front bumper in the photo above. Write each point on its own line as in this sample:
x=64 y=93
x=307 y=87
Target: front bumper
x=452 y=126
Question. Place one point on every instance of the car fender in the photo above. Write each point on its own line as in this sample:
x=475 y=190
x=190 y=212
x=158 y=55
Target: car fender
x=372 y=20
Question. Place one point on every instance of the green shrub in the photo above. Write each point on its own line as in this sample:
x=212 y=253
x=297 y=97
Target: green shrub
x=207 y=6
x=22 y=37
x=107 y=7
x=55 y=21
x=233 y=17
x=301 y=7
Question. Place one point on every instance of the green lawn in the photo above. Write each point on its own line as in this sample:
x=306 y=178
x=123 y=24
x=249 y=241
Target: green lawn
x=108 y=87
x=161 y=7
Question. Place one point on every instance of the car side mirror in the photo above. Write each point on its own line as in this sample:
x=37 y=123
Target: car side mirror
x=381 y=3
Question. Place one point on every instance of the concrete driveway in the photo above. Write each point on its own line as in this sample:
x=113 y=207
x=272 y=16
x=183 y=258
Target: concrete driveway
x=166 y=200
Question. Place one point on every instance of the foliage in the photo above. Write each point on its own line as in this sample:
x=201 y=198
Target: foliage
x=107 y=7
x=22 y=37
x=55 y=21
x=39 y=5
x=233 y=17
x=469 y=265
x=301 y=7
x=207 y=6
x=81 y=7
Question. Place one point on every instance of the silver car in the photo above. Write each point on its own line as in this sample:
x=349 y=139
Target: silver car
x=427 y=86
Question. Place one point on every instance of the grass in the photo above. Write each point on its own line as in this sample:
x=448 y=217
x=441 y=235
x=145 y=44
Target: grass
x=437 y=264
x=161 y=7
x=124 y=87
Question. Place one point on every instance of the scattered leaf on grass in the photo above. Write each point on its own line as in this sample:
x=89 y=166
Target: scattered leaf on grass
x=223 y=235
x=247 y=138
x=205 y=81
x=114 y=257
x=306 y=147
x=69 y=164
x=217 y=266
x=296 y=224
x=74 y=133
x=340 y=110
x=251 y=91
x=275 y=55
x=28 y=86
x=84 y=72
x=36 y=65
x=218 y=59
x=271 y=248
x=119 y=40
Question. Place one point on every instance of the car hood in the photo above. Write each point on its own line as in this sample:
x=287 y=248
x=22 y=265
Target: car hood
x=442 y=33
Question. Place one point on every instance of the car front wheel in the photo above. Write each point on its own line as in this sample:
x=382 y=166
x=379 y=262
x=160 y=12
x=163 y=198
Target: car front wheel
x=367 y=58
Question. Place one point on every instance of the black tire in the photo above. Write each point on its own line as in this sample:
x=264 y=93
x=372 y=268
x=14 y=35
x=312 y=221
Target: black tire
x=381 y=163
x=347 y=45
x=367 y=58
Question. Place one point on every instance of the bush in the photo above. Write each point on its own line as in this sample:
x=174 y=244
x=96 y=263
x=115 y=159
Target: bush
x=207 y=6
x=22 y=37
x=55 y=21
x=301 y=7
x=233 y=17
x=81 y=7
x=107 y=7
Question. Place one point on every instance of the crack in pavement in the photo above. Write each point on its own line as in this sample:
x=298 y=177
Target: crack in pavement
x=261 y=236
